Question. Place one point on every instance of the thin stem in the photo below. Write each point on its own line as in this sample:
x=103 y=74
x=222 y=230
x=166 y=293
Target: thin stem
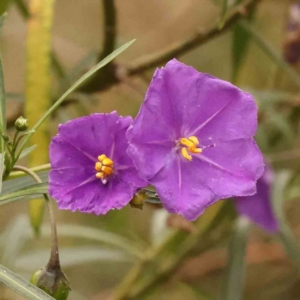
x=53 y=263
x=199 y=38
x=18 y=174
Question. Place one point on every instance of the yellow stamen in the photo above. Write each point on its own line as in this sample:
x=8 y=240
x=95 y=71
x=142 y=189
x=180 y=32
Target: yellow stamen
x=196 y=150
x=187 y=142
x=107 y=170
x=99 y=175
x=101 y=157
x=194 y=139
x=185 y=154
x=98 y=166
x=107 y=162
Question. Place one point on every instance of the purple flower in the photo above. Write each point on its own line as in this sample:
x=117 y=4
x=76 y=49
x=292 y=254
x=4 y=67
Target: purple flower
x=258 y=208
x=193 y=140
x=91 y=171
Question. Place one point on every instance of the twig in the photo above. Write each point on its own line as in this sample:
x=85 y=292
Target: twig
x=107 y=74
x=199 y=38
x=180 y=48
x=53 y=263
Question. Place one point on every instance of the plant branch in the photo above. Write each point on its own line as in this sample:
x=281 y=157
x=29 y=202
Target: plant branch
x=107 y=74
x=147 y=62
x=200 y=37
x=53 y=263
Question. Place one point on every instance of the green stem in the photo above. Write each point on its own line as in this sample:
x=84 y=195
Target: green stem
x=53 y=263
x=133 y=286
x=18 y=174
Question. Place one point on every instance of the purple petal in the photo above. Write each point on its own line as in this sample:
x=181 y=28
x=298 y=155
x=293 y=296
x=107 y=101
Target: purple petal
x=230 y=168
x=258 y=207
x=181 y=189
x=73 y=154
x=95 y=197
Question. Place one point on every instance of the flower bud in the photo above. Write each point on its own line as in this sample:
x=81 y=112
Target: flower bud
x=54 y=283
x=138 y=200
x=21 y=124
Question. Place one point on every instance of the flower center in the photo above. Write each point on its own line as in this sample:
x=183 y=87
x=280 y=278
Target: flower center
x=189 y=146
x=104 y=167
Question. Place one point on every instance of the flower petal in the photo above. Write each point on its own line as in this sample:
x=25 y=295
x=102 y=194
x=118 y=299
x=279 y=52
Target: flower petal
x=204 y=105
x=230 y=168
x=95 y=197
x=258 y=207
x=181 y=189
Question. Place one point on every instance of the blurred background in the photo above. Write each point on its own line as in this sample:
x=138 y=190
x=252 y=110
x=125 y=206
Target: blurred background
x=260 y=55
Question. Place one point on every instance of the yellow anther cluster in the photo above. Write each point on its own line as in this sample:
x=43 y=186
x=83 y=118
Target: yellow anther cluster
x=190 y=145
x=104 y=167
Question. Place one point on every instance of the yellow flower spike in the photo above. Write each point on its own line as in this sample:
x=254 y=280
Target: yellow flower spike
x=185 y=154
x=186 y=142
x=98 y=166
x=194 y=139
x=100 y=175
x=107 y=170
x=107 y=162
x=101 y=157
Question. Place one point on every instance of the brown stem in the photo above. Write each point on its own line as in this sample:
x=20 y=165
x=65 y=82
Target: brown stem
x=107 y=74
x=53 y=263
x=200 y=37
x=147 y=62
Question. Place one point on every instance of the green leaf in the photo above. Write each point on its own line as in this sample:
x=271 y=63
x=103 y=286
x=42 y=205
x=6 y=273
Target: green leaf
x=224 y=8
x=270 y=52
x=285 y=233
x=234 y=279
x=1 y=169
x=35 y=189
x=2 y=108
x=2 y=19
x=21 y=286
x=91 y=72
x=3 y=6
x=99 y=235
x=26 y=151
x=13 y=185
x=72 y=256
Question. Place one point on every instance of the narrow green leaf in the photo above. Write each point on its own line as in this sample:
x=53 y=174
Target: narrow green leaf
x=224 y=8
x=72 y=256
x=35 y=189
x=100 y=65
x=22 y=8
x=12 y=185
x=99 y=235
x=270 y=52
x=2 y=19
x=286 y=235
x=282 y=124
x=21 y=286
x=26 y=151
x=3 y=6
x=2 y=156
x=234 y=278
x=2 y=108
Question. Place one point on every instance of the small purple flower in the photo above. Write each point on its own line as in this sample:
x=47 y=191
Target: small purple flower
x=193 y=140
x=258 y=208
x=91 y=171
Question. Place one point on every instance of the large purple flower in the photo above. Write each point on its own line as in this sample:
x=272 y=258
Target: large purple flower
x=91 y=171
x=193 y=140
x=258 y=208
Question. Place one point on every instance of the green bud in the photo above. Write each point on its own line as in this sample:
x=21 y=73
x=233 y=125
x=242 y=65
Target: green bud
x=54 y=283
x=21 y=124
x=138 y=200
